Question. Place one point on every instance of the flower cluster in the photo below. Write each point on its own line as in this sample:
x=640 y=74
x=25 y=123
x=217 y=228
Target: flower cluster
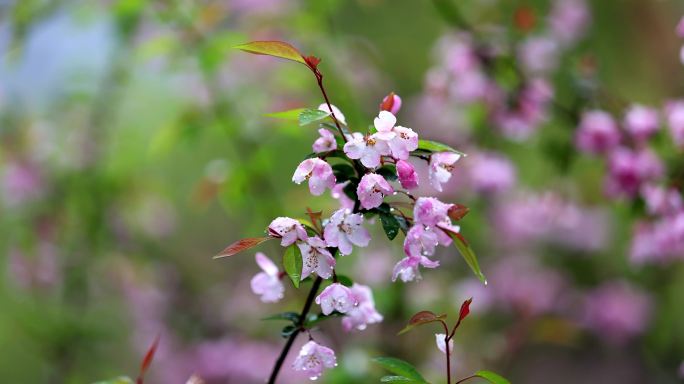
x=371 y=167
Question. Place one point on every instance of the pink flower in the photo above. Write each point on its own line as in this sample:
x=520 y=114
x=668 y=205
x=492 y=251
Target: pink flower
x=385 y=123
x=288 y=230
x=407 y=268
x=267 y=284
x=395 y=103
x=318 y=172
x=337 y=193
x=336 y=297
x=338 y=114
x=408 y=177
x=491 y=173
x=660 y=200
x=680 y=28
x=441 y=165
x=617 y=311
x=430 y=212
x=674 y=112
x=420 y=241
x=404 y=141
x=372 y=190
x=539 y=54
x=316 y=258
x=641 y=122
x=368 y=149
x=440 y=338
x=345 y=229
x=325 y=143
x=597 y=132
x=628 y=170
x=568 y=20
x=313 y=358
x=363 y=313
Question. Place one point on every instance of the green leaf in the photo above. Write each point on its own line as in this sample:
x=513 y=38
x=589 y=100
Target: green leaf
x=273 y=48
x=314 y=319
x=468 y=255
x=389 y=224
x=492 y=377
x=343 y=172
x=345 y=280
x=420 y=318
x=287 y=331
x=309 y=116
x=388 y=171
x=118 y=380
x=289 y=316
x=400 y=368
x=292 y=114
x=434 y=146
x=292 y=263
x=398 y=379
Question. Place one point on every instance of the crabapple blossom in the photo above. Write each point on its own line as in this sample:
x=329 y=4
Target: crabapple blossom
x=491 y=173
x=539 y=54
x=345 y=229
x=288 y=230
x=368 y=149
x=641 y=122
x=394 y=104
x=440 y=338
x=313 y=358
x=430 y=212
x=674 y=112
x=337 y=193
x=441 y=165
x=316 y=258
x=597 y=132
x=338 y=114
x=408 y=268
x=385 y=123
x=405 y=141
x=372 y=189
x=568 y=20
x=420 y=241
x=318 y=172
x=408 y=177
x=629 y=169
x=660 y=200
x=325 y=143
x=267 y=284
x=336 y=297
x=363 y=313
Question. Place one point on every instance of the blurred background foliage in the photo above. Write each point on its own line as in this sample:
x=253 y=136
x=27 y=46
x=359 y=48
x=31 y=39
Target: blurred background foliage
x=133 y=147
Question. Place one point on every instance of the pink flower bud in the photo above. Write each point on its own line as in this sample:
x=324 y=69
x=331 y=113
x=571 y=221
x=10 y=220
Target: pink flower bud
x=597 y=132
x=408 y=177
x=391 y=103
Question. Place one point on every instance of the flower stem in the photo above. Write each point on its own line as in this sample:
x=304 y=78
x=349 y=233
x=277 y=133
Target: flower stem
x=319 y=80
x=302 y=317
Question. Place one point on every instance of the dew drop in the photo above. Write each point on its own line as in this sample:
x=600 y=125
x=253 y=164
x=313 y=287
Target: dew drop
x=395 y=193
x=391 y=209
x=486 y=282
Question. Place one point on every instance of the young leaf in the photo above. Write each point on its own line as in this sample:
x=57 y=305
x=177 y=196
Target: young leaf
x=290 y=316
x=241 y=245
x=273 y=48
x=389 y=224
x=468 y=255
x=147 y=360
x=292 y=263
x=492 y=377
x=314 y=319
x=292 y=114
x=457 y=212
x=398 y=379
x=400 y=368
x=420 y=318
x=287 y=331
x=465 y=309
x=309 y=116
x=434 y=146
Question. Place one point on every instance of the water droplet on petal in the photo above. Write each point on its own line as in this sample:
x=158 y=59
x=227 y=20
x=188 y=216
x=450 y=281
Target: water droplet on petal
x=486 y=282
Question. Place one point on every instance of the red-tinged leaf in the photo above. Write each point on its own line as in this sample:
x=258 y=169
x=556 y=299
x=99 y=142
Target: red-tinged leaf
x=147 y=360
x=312 y=62
x=387 y=102
x=273 y=48
x=524 y=18
x=420 y=318
x=241 y=245
x=458 y=211
x=465 y=309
